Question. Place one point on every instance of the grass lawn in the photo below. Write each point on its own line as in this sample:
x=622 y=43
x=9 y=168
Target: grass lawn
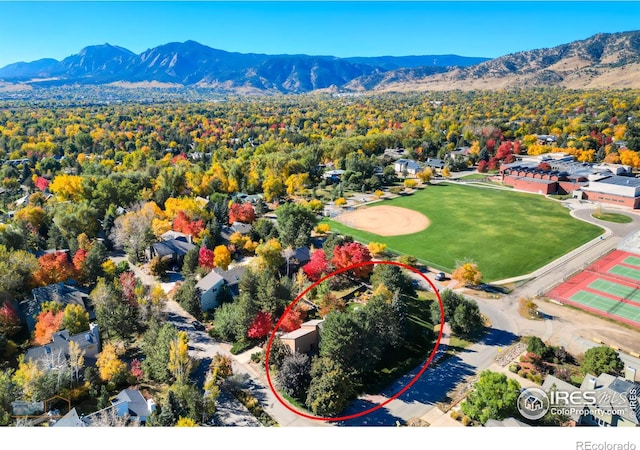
x=506 y=233
x=613 y=217
x=415 y=351
x=475 y=177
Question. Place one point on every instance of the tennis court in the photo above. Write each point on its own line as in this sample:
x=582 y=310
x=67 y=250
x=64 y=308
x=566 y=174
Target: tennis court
x=615 y=289
x=627 y=272
x=632 y=261
x=609 y=287
x=611 y=307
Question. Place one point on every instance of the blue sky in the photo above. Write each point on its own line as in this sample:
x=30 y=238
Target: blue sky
x=33 y=30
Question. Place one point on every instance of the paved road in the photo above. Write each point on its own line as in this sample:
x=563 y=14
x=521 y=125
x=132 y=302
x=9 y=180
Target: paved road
x=435 y=382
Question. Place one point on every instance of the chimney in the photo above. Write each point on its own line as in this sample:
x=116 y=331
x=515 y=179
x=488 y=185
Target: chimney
x=591 y=382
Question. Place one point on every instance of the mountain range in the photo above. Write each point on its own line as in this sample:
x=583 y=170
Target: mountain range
x=603 y=60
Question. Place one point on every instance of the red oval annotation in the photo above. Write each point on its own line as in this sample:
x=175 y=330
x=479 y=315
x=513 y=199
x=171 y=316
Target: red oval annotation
x=397 y=394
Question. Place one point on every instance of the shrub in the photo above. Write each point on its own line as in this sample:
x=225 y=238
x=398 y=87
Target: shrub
x=341 y=201
x=455 y=415
x=408 y=260
x=466 y=421
x=240 y=346
x=410 y=183
x=521 y=373
x=157 y=266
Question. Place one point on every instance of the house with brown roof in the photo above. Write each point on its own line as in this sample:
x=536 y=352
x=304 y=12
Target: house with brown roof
x=305 y=339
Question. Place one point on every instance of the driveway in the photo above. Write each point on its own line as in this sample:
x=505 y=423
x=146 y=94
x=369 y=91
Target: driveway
x=203 y=348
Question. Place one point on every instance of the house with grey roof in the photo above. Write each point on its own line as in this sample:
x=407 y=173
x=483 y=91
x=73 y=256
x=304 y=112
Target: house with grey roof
x=131 y=403
x=71 y=419
x=58 y=348
x=128 y=403
x=232 y=277
x=296 y=258
x=63 y=293
x=434 y=163
x=406 y=166
x=616 y=401
x=333 y=175
x=173 y=248
x=215 y=281
x=209 y=288
x=612 y=400
x=236 y=227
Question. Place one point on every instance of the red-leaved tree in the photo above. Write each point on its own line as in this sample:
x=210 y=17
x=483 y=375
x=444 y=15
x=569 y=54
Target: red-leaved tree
x=517 y=147
x=505 y=149
x=128 y=284
x=9 y=320
x=42 y=183
x=293 y=319
x=242 y=212
x=260 y=326
x=206 y=258
x=352 y=253
x=491 y=144
x=483 y=166
x=544 y=166
x=494 y=163
x=136 y=369
x=184 y=224
x=317 y=265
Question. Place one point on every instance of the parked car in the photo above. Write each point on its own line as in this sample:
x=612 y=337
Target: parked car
x=440 y=276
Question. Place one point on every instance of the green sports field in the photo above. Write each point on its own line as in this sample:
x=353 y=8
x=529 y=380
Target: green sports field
x=506 y=233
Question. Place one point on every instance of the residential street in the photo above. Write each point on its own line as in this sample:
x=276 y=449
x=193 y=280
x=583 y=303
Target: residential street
x=433 y=386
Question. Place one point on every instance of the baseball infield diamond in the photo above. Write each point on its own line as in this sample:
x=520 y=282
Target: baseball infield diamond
x=506 y=233
x=385 y=220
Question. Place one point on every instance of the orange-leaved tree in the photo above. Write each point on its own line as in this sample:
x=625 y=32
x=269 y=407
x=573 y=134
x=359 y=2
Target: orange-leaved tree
x=47 y=323
x=54 y=268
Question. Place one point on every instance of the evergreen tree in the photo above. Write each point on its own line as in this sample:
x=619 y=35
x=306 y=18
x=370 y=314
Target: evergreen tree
x=189 y=298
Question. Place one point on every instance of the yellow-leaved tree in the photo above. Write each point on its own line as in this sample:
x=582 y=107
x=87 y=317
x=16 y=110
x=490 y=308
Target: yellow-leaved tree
x=180 y=363
x=376 y=248
x=68 y=188
x=186 y=422
x=108 y=363
x=221 y=257
x=76 y=359
x=27 y=378
x=467 y=272
x=269 y=254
